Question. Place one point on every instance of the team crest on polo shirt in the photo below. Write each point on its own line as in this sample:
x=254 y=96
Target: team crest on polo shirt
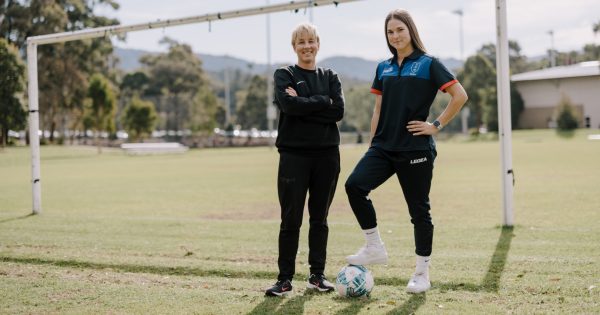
x=418 y=68
x=414 y=68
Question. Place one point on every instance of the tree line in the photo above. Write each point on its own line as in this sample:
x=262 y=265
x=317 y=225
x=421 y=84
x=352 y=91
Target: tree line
x=82 y=90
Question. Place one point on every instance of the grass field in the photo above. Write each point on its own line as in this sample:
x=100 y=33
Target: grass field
x=197 y=233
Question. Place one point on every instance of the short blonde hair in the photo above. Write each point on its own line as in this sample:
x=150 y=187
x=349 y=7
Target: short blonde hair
x=304 y=27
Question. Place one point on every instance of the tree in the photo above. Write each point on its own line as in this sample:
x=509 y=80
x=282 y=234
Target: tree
x=438 y=106
x=132 y=84
x=63 y=68
x=175 y=80
x=238 y=82
x=359 y=105
x=566 y=118
x=518 y=62
x=101 y=106
x=478 y=76
x=12 y=115
x=140 y=118
x=203 y=114
x=252 y=112
x=489 y=96
x=136 y=82
x=591 y=52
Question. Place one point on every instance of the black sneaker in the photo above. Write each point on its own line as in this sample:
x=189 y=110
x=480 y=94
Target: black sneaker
x=319 y=282
x=281 y=287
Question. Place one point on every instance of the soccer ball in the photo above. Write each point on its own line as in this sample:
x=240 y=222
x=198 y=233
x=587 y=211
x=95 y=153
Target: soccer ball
x=354 y=281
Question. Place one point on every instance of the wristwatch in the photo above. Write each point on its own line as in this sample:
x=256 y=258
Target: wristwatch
x=438 y=124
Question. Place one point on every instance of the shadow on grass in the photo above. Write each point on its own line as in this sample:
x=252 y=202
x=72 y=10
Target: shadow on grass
x=273 y=305
x=411 y=306
x=161 y=270
x=295 y=305
x=442 y=286
x=17 y=218
x=354 y=305
x=491 y=281
x=566 y=134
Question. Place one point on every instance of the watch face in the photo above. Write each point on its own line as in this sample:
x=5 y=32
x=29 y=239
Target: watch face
x=436 y=124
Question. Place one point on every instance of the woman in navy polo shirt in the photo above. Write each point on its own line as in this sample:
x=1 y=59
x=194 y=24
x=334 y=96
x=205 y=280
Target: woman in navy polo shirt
x=401 y=141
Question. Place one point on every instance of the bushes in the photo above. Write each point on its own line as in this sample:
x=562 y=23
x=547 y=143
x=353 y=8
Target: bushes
x=566 y=118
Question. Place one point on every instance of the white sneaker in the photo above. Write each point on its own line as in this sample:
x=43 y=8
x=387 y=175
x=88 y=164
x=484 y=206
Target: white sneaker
x=418 y=283
x=368 y=255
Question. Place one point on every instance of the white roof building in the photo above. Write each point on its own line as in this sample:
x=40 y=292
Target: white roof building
x=543 y=89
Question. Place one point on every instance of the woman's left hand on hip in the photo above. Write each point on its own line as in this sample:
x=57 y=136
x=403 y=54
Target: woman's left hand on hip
x=421 y=128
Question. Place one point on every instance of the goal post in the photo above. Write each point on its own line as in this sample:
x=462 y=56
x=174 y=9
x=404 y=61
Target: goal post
x=504 y=115
x=34 y=41
x=34 y=125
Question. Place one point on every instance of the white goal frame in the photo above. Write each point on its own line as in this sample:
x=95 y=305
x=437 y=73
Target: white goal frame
x=33 y=42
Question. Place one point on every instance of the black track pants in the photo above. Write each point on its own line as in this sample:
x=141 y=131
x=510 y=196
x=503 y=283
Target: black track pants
x=298 y=175
x=414 y=170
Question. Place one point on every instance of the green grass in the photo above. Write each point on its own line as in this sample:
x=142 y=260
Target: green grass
x=197 y=233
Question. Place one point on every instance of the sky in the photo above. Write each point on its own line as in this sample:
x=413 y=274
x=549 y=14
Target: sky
x=356 y=29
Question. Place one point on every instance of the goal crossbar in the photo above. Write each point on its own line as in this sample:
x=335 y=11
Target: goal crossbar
x=118 y=29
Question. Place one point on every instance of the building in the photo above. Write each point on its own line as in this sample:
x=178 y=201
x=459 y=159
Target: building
x=543 y=89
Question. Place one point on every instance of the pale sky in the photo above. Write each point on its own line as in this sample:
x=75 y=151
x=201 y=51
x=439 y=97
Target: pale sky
x=356 y=28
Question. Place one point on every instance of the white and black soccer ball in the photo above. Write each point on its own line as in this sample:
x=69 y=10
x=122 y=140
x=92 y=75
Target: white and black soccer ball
x=354 y=281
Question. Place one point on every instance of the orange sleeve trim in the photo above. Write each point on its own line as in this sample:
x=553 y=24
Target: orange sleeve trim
x=445 y=86
x=375 y=91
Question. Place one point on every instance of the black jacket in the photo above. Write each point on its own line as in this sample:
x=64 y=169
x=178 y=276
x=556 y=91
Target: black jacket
x=307 y=122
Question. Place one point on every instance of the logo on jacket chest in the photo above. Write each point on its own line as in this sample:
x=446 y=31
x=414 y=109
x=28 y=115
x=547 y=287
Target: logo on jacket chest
x=388 y=70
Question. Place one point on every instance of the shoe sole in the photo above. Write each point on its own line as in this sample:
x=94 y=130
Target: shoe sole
x=417 y=291
x=278 y=294
x=379 y=261
x=314 y=287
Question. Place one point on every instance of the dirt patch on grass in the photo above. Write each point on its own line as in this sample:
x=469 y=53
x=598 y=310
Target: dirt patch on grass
x=109 y=277
x=245 y=260
x=267 y=213
x=34 y=246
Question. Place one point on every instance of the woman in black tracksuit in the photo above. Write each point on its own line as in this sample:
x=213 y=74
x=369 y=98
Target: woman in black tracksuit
x=311 y=102
x=402 y=144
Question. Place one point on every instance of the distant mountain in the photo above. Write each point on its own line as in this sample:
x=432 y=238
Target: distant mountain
x=349 y=68
x=129 y=61
x=453 y=64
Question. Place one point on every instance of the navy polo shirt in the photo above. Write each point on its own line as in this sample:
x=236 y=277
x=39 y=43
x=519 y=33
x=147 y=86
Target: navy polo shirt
x=407 y=91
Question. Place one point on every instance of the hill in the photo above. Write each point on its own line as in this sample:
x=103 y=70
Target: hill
x=349 y=68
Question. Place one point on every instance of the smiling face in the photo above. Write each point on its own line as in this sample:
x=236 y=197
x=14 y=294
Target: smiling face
x=401 y=33
x=306 y=47
x=305 y=42
x=398 y=36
